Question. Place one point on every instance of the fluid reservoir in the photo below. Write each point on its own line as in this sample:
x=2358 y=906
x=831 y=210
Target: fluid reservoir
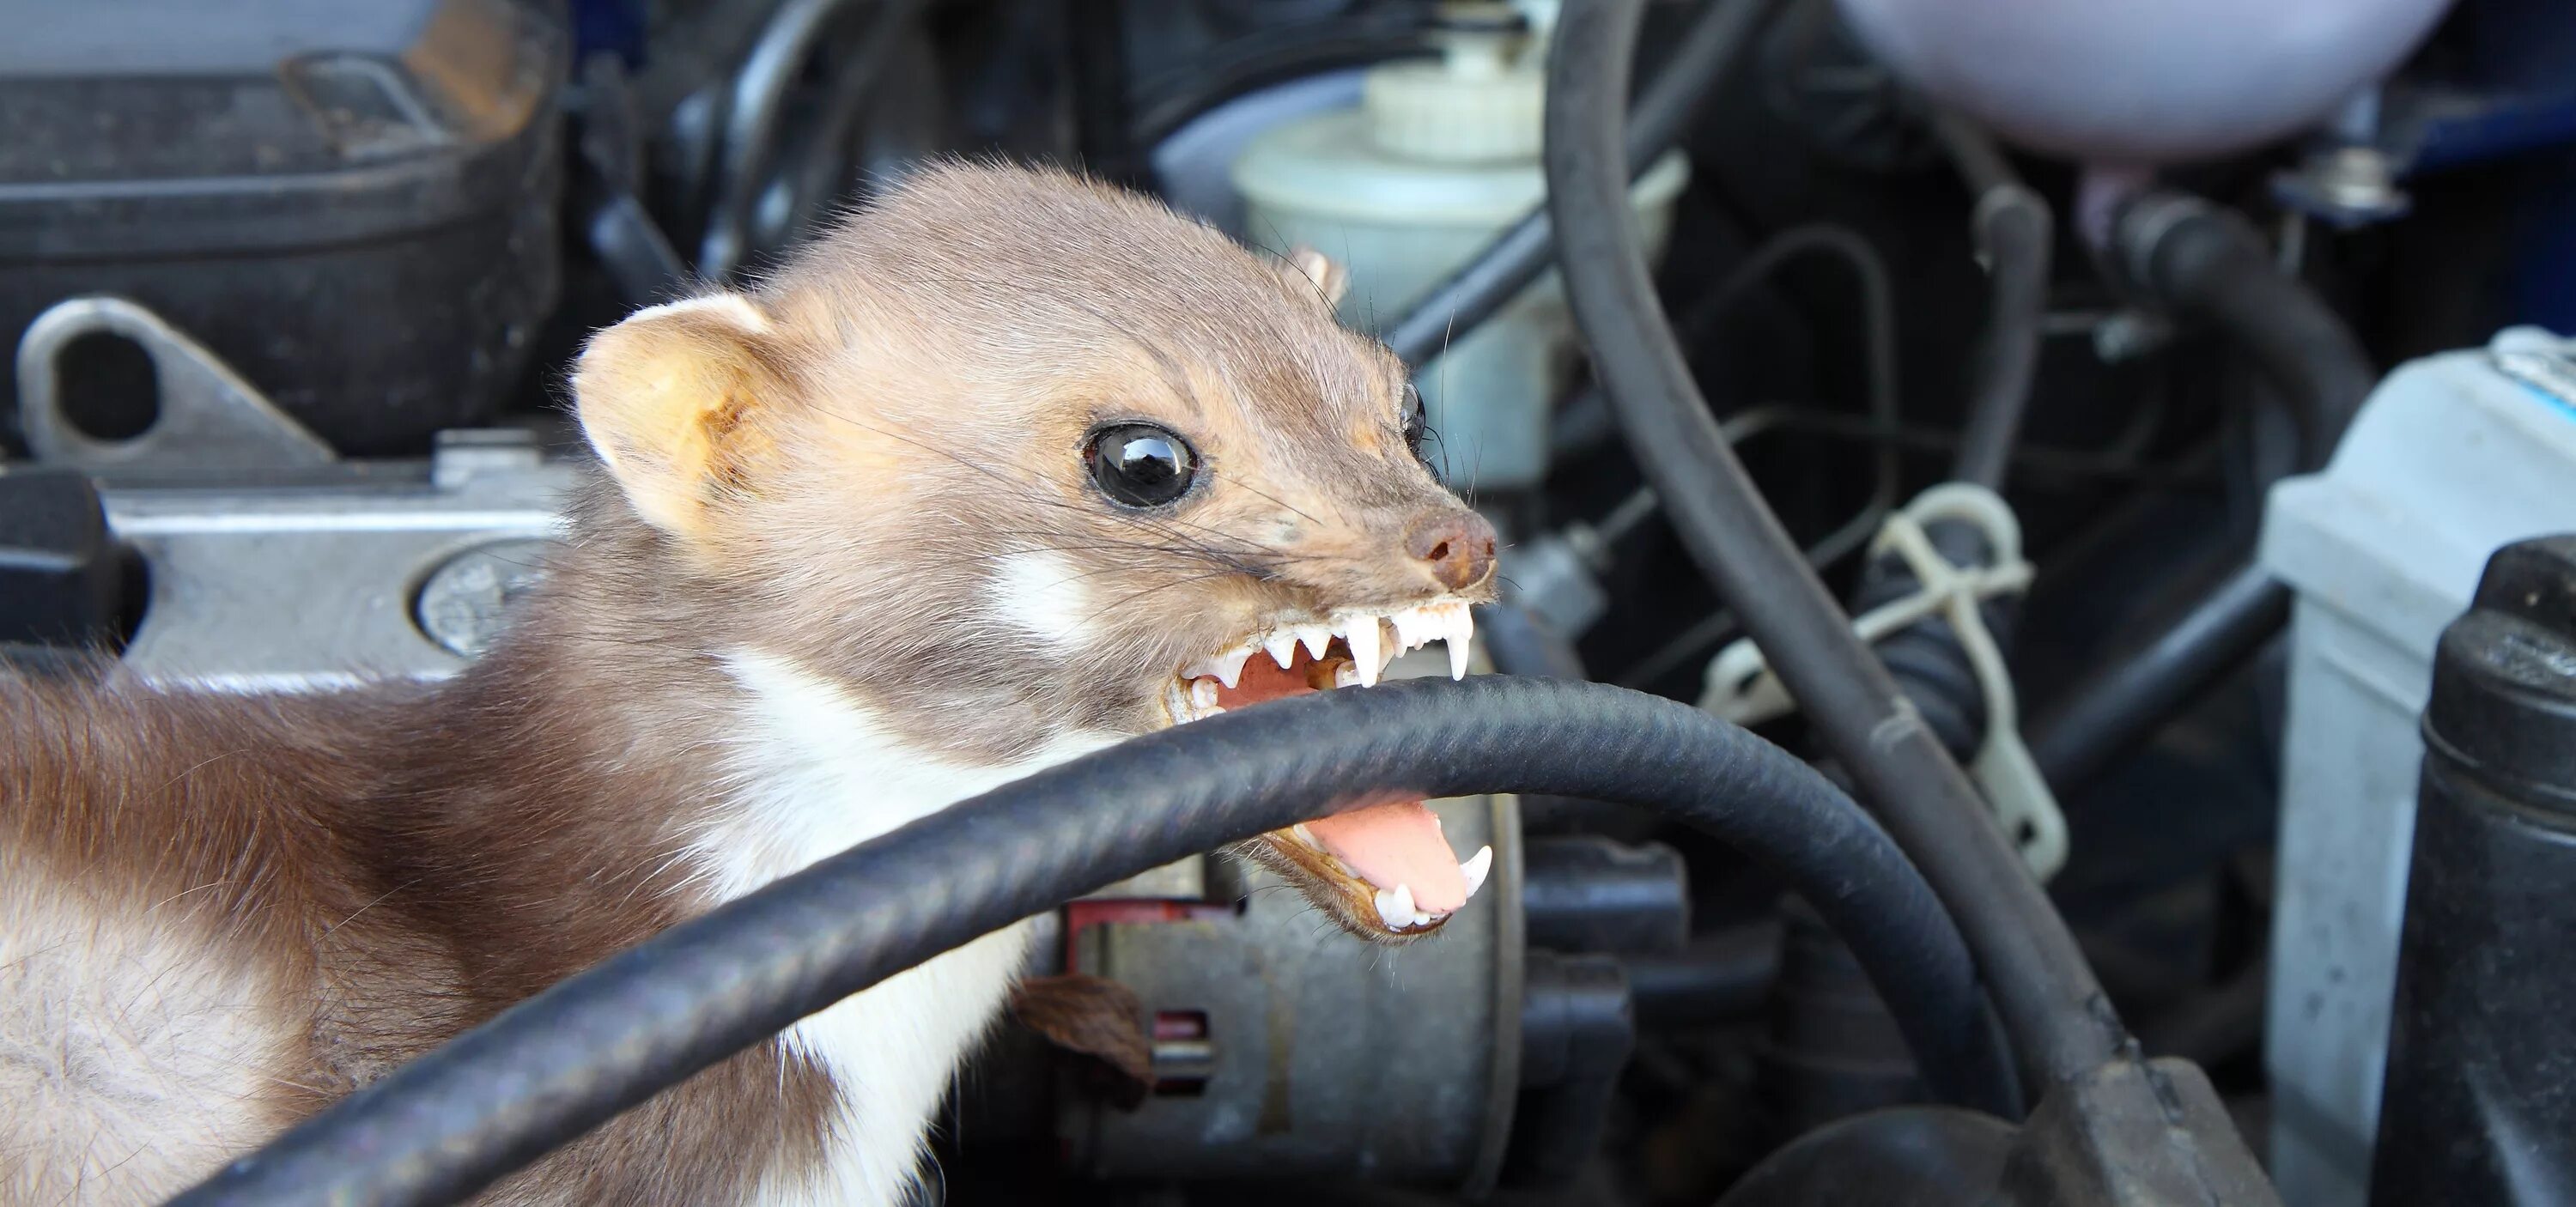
x=1439 y=157
x=2142 y=84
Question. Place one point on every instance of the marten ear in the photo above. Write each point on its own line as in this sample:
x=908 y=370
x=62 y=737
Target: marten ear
x=671 y=399
x=1309 y=271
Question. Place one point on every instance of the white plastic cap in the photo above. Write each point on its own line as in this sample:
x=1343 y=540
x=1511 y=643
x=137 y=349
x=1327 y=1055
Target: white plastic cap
x=1482 y=101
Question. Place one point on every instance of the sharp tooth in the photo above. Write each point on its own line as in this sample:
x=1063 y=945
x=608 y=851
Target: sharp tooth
x=1413 y=629
x=1203 y=692
x=1458 y=632
x=1315 y=637
x=1282 y=647
x=1226 y=667
x=1395 y=906
x=1475 y=867
x=1305 y=835
x=1367 y=645
x=1421 y=918
x=1346 y=675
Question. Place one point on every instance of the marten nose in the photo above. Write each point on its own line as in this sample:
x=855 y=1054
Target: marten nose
x=1456 y=546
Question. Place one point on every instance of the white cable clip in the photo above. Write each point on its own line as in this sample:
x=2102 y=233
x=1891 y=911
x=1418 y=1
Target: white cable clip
x=1741 y=688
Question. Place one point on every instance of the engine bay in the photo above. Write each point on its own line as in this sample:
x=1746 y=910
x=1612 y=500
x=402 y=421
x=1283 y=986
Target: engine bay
x=2133 y=470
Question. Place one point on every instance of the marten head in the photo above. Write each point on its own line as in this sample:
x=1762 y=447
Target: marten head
x=1010 y=456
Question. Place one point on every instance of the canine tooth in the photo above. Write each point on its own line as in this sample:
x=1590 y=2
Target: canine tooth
x=1282 y=647
x=1475 y=867
x=1457 y=630
x=1367 y=647
x=1395 y=906
x=1203 y=693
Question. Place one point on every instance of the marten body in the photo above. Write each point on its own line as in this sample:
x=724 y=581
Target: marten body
x=854 y=556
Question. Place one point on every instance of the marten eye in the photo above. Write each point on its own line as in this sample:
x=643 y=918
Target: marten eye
x=1140 y=464
x=1417 y=423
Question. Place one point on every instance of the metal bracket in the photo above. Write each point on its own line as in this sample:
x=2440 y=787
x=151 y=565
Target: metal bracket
x=209 y=418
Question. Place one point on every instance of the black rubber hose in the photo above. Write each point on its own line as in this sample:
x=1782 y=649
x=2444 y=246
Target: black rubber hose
x=555 y=1066
x=2060 y=1021
x=2015 y=233
x=2120 y=707
x=1926 y=658
x=1520 y=254
x=2209 y=266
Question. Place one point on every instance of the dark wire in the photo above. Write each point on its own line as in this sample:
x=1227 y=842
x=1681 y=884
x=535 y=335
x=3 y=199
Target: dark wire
x=1878 y=321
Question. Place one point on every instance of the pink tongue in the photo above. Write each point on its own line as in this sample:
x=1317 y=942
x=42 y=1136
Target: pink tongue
x=1397 y=844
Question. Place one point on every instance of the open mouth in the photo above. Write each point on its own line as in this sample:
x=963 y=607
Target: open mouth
x=1383 y=870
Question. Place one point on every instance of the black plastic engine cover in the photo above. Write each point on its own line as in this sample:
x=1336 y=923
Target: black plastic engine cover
x=351 y=201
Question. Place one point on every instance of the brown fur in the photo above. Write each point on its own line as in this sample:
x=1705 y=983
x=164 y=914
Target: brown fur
x=1098 y=1025
x=396 y=869
x=830 y=474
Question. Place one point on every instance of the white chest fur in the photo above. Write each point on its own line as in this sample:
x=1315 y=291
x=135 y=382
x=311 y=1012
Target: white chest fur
x=815 y=775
